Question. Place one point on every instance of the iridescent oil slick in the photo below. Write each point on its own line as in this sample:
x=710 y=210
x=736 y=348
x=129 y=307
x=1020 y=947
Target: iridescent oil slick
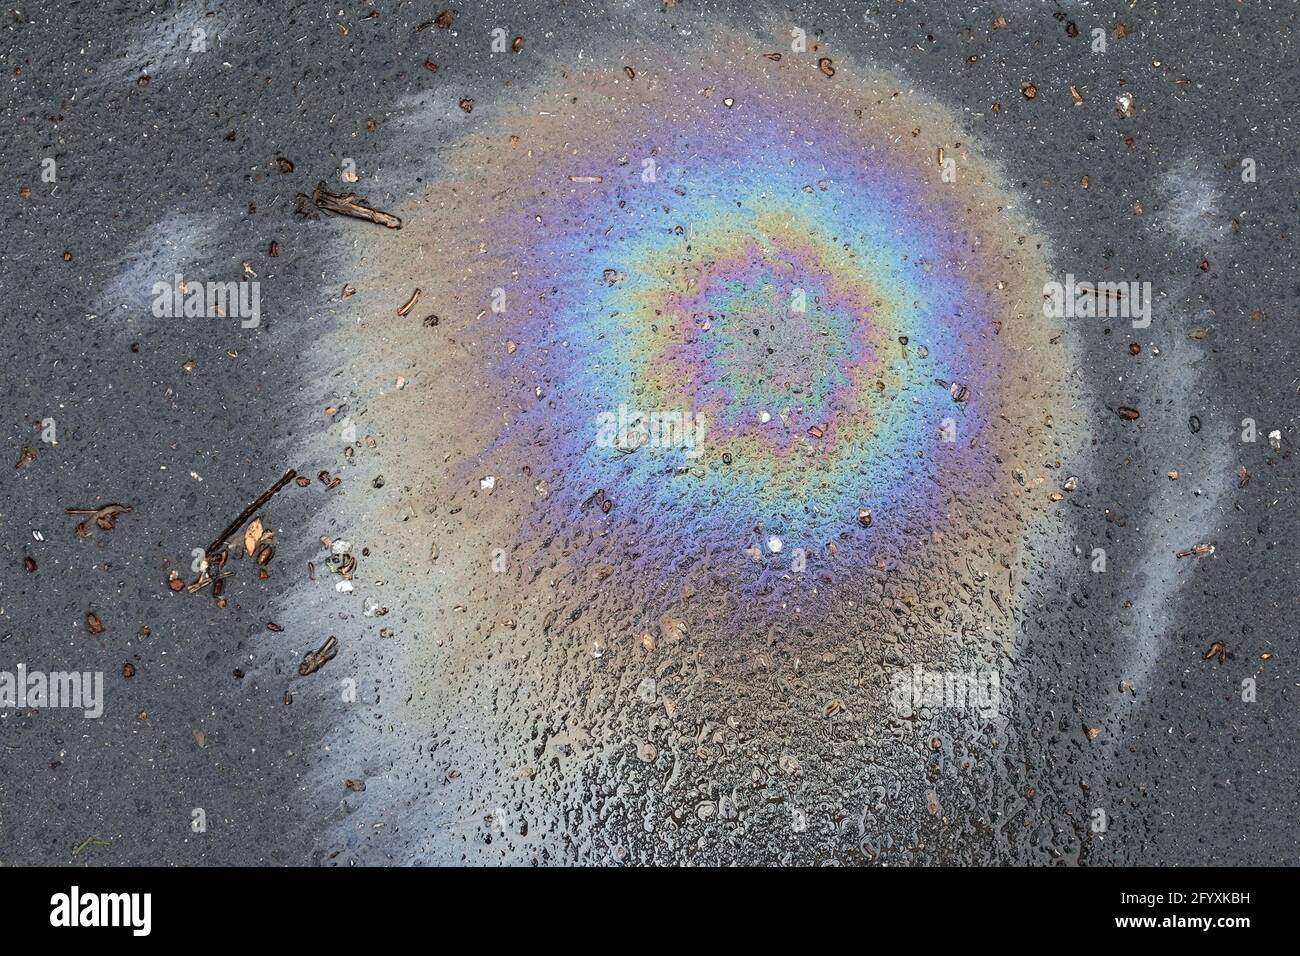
x=855 y=343
x=731 y=360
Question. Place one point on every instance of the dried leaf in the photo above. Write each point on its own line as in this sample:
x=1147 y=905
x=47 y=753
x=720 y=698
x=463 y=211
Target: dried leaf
x=252 y=535
x=106 y=517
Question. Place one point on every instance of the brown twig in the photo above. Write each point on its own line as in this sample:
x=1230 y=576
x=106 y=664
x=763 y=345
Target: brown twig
x=250 y=511
x=409 y=304
x=347 y=204
x=314 y=660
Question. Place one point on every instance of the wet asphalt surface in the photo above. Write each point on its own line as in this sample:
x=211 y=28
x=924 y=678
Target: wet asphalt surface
x=188 y=420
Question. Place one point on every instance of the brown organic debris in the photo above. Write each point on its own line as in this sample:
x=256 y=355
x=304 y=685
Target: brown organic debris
x=250 y=511
x=252 y=535
x=105 y=516
x=409 y=304
x=1196 y=551
x=204 y=580
x=347 y=204
x=315 y=660
x=1217 y=649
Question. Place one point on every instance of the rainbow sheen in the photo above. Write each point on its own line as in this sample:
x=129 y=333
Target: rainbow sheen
x=786 y=285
